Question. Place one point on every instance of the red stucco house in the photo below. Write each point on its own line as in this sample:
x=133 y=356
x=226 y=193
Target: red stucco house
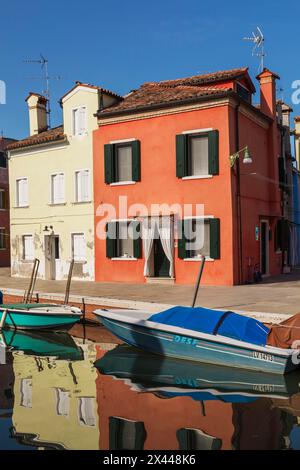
x=169 y=143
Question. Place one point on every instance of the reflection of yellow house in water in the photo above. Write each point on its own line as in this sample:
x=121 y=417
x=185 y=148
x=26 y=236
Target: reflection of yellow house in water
x=55 y=401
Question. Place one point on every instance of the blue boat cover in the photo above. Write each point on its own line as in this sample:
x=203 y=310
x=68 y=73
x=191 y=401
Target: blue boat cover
x=207 y=396
x=214 y=322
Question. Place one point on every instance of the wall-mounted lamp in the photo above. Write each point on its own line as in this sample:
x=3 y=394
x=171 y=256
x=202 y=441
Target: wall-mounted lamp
x=246 y=158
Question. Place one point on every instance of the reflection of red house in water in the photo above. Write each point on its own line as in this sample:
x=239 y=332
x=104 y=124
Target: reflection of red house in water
x=162 y=418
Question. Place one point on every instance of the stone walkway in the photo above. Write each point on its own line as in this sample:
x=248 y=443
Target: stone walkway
x=279 y=295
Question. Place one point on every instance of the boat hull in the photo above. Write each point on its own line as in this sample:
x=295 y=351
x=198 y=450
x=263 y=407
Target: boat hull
x=34 y=319
x=165 y=343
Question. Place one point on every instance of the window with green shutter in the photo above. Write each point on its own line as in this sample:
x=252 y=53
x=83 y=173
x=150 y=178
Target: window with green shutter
x=122 y=162
x=200 y=237
x=123 y=239
x=197 y=154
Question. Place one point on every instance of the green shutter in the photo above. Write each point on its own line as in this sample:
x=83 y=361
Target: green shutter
x=183 y=439
x=214 y=238
x=140 y=435
x=109 y=163
x=136 y=160
x=213 y=152
x=181 y=240
x=111 y=243
x=137 y=245
x=181 y=155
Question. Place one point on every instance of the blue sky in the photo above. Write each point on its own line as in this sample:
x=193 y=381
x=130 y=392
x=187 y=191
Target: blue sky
x=120 y=44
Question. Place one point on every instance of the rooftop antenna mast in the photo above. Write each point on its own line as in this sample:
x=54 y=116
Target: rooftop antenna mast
x=46 y=92
x=258 y=50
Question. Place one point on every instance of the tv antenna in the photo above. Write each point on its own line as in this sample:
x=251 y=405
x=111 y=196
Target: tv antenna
x=46 y=77
x=258 y=50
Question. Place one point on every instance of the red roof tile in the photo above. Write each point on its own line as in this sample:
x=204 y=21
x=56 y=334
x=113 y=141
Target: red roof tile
x=52 y=135
x=169 y=91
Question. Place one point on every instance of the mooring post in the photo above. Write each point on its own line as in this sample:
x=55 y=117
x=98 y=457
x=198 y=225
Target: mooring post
x=198 y=281
x=83 y=309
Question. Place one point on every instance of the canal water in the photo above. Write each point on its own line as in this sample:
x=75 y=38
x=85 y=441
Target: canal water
x=85 y=390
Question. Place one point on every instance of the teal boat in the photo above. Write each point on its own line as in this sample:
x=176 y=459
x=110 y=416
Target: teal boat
x=60 y=345
x=38 y=316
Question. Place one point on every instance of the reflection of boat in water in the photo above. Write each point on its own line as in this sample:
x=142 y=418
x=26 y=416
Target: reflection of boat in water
x=45 y=344
x=170 y=377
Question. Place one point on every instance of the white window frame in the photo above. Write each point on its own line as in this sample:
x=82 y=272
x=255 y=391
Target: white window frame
x=86 y=405
x=4 y=248
x=76 y=200
x=199 y=217
x=84 y=131
x=17 y=192
x=51 y=202
x=123 y=258
x=197 y=131
x=23 y=247
x=72 y=247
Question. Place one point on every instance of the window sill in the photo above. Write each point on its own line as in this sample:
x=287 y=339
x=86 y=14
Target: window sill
x=124 y=258
x=82 y=202
x=2 y=210
x=3 y=249
x=122 y=183
x=57 y=204
x=20 y=207
x=198 y=259
x=196 y=177
x=27 y=261
x=80 y=261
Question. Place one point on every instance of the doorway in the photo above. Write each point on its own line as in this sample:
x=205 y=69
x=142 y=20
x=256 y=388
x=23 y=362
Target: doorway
x=264 y=247
x=51 y=255
x=161 y=262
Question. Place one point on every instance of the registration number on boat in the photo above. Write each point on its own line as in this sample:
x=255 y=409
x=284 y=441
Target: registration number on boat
x=263 y=356
x=185 y=340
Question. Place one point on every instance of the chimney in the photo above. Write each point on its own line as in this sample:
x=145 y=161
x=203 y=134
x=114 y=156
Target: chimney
x=267 y=80
x=286 y=115
x=37 y=106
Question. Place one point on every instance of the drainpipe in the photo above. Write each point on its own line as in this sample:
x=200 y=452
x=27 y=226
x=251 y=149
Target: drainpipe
x=238 y=195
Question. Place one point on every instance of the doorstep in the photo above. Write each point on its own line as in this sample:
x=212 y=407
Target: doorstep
x=160 y=280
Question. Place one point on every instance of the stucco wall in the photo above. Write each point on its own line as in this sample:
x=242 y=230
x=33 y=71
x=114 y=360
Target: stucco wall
x=37 y=164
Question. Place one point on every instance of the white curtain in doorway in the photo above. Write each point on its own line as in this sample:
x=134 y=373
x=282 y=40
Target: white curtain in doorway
x=165 y=233
x=148 y=234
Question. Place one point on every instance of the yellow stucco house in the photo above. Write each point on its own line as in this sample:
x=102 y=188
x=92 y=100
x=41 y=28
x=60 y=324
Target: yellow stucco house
x=51 y=187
